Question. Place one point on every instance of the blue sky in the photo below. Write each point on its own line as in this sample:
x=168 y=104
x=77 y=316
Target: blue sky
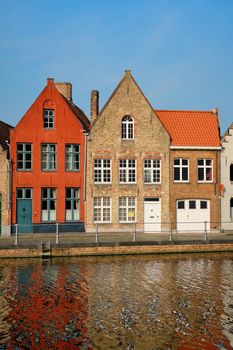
x=179 y=51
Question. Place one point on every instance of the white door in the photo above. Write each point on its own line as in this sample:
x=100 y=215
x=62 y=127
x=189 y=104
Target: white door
x=152 y=215
x=191 y=215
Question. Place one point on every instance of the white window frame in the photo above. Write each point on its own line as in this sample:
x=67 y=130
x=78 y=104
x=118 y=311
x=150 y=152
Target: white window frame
x=205 y=167
x=126 y=170
x=102 y=205
x=126 y=206
x=231 y=209
x=152 y=167
x=102 y=171
x=127 y=128
x=180 y=166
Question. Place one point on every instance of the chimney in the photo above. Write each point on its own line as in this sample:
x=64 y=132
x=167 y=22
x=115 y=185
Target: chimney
x=65 y=89
x=50 y=81
x=94 y=104
x=215 y=111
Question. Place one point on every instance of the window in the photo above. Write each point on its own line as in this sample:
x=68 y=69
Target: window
x=24 y=156
x=181 y=170
x=181 y=205
x=205 y=170
x=48 y=204
x=24 y=193
x=49 y=157
x=152 y=171
x=102 y=170
x=102 y=209
x=72 y=157
x=127 y=170
x=48 y=118
x=231 y=209
x=72 y=204
x=231 y=172
x=192 y=204
x=127 y=128
x=127 y=209
x=203 y=205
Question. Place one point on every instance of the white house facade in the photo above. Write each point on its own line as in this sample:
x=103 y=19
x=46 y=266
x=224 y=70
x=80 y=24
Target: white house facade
x=227 y=180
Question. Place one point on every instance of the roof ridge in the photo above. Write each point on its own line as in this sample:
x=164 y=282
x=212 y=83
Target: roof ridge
x=184 y=110
x=8 y=125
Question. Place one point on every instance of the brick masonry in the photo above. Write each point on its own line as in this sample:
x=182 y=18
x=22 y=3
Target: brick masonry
x=193 y=189
x=150 y=141
x=4 y=185
x=118 y=250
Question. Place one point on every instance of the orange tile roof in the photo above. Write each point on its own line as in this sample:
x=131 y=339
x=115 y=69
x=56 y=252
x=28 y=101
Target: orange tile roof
x=191 y=128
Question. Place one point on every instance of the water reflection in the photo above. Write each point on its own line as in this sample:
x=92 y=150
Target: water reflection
x=146 y=302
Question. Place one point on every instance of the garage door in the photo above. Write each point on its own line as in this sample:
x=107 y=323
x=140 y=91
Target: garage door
x=192 y=214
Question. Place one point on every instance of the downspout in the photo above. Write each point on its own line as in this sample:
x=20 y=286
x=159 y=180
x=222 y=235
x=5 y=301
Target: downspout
x=9 y=178
x=85 y=164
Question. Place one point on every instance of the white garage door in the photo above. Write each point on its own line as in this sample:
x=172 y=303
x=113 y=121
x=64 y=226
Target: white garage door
x=191 y=214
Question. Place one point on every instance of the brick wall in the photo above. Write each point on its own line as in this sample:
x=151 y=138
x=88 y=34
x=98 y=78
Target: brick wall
x=4 y=187
x=150 y=141
x=193 y=189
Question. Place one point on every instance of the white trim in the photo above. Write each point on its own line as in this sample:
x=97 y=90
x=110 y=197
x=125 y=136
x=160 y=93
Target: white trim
x=180 y=167
x=102 y=207
x=197 y=147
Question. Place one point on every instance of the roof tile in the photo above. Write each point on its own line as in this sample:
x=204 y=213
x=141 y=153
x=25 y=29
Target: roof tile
x=191 y=128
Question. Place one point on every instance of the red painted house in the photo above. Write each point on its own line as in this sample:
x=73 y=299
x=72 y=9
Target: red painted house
x=48 y=163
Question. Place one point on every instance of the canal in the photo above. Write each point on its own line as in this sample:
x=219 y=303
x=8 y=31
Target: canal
x=118 y=302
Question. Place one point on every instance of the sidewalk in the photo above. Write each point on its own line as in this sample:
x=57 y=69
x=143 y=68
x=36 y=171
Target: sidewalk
x=83 y=239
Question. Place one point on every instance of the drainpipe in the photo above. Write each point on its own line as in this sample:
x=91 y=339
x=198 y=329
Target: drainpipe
x=85 y=163
x=9 y=175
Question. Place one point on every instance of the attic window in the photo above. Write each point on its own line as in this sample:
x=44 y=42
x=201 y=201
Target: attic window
x=127 y=128
x=48 y=117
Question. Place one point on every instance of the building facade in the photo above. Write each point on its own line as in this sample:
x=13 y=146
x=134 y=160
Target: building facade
x=5 y=179
x=194 y=169
x=48 y=163
x=127 y=163
x=227 y=180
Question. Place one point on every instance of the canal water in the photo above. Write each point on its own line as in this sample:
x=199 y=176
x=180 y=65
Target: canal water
x=129 y=302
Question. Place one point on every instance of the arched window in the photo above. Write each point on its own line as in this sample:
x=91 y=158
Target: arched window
x=127 y=128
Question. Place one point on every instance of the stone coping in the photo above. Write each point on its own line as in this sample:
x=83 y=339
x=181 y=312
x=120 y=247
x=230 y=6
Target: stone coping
x=115 y=249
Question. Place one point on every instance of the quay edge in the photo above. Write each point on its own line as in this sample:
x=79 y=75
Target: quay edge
x=116 y=250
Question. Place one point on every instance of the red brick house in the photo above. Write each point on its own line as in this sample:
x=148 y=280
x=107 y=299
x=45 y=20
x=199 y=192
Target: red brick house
x=194 y=188
x=48 y=163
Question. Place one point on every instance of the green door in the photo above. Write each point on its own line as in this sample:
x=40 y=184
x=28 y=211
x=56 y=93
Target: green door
x=0 y=213
x=24 y=215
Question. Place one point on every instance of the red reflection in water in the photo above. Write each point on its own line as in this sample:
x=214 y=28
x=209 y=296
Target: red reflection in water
x=50 y=315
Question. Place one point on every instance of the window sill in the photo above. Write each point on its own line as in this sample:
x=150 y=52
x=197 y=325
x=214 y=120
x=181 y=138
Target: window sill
x=181 y=182
x=24 y=170
x=127 y=183
x=127 y=222
x=205 y=182
x=102 y=222
x=102 y=183
x=152 y=183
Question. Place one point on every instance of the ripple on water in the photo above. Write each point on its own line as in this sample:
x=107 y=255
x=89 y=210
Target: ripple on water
x=117 y=303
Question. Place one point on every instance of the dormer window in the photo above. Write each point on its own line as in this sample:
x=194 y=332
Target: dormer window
x=48 y=115
x=127 y=128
